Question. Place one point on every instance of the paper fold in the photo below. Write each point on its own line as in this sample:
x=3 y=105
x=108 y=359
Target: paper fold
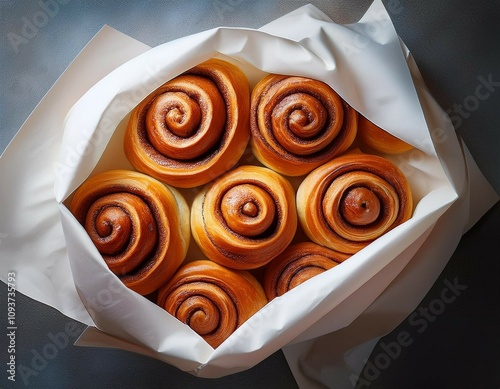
x=33 y=243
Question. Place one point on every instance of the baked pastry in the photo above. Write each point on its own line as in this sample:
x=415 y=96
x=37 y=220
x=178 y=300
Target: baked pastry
x=297 y=264
x=244 y=218
x=211 y=299
x=140 y=226
x=298 y=124
x=193 y=128
x=380 y=140
x=352 y=200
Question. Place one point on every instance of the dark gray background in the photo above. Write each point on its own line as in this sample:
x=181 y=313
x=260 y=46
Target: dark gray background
x=453 y=42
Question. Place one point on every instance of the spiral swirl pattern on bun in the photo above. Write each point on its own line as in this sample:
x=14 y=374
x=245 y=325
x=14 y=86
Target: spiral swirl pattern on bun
x=245 y=218
x=352 y=200
x=193 y=128
x=211 y=299
x=140 y=226
x=298 y=124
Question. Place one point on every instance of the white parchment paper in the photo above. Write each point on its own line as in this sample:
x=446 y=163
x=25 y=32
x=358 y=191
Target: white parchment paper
x=77 y=131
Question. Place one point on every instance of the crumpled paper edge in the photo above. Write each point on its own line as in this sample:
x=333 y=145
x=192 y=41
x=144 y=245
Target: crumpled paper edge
x=336 y=360
x=40 y=137
x=218 y=357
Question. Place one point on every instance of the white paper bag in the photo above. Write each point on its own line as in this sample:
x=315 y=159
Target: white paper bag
x=376 y=77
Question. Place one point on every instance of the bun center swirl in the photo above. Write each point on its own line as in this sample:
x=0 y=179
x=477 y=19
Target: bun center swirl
x=352 y=200
x=305 y=116
x=248 y=210
x=298 y=121
x=123 y=230
x=244 y=218
x=205 y=307
x=182 y=114
x=360 y=206
x=187 y=119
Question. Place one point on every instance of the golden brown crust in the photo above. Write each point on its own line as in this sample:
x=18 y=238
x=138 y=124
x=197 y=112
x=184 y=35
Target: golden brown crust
x=193 y=128
x=380 y=140
x=213 y=300
x=140 y=226
x=297 y=264
x=352 y=200
x=298 y=123
x=244 y=218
